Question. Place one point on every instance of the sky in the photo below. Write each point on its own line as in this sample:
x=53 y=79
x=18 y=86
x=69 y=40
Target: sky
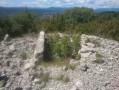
x=61 y=3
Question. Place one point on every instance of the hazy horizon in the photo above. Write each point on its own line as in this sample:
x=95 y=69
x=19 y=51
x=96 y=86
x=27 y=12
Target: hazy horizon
x=60 y=3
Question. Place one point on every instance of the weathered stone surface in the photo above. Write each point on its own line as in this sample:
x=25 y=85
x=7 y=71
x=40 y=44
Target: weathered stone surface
x=79 y=85
x=29 y=65
x=6 y=37
x=84 y=67
x=22 y=75
x=86 y=49
x=38 y=53
x=12 y=72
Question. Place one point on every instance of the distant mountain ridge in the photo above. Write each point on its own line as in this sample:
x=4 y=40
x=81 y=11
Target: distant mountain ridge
x=45 y=11
x=107 y=9
x=40 y=11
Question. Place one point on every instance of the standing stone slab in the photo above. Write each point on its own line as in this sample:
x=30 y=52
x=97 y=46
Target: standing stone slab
x=6 y=37
x=38 y=53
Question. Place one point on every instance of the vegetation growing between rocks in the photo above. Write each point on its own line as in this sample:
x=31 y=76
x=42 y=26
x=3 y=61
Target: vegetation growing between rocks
x=98 y=58
x=95 y=42
x=46 y=77
x=55 y=62
x=71 y=66
x=23 y=55
x=44 y=80
x=63 y=78
x=63 y=46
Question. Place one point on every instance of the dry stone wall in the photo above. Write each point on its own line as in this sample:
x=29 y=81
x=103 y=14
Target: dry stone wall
x=98 y=68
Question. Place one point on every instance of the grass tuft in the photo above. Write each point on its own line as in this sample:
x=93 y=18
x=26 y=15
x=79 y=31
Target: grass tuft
x=23 y=55
x=44 y=80
x=57 y=62
x=98 y=59
x=71 y=66
x=63 y=78
x=46 y=77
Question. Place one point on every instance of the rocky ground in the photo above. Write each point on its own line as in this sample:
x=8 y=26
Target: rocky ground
x=98 y=68
x=12 y=73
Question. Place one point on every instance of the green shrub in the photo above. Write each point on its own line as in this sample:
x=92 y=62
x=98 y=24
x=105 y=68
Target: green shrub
x=80 y=20
x=75 y=46
x=18 y=24
x=64 y=47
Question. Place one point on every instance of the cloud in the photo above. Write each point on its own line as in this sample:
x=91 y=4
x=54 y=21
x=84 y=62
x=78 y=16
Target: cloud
x=106 y=3
x=4 y=2
x=62 y=3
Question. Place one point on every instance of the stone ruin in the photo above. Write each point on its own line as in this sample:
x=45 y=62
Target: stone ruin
x=39 y=50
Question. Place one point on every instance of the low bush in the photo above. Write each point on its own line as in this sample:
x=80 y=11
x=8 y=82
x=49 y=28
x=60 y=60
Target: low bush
x=63 y=46
x=18 y=24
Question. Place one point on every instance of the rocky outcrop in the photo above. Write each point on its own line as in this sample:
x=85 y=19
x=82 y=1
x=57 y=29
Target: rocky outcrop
x=6 y=37
x=99 y=76
x=17 y=71
x=90 y=74
x=38 y=53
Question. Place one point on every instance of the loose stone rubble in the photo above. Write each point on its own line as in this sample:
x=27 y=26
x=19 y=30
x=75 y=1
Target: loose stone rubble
x=89 y=74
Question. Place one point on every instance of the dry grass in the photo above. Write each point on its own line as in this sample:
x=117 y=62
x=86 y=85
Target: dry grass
x=57 y=62
x=63 y=78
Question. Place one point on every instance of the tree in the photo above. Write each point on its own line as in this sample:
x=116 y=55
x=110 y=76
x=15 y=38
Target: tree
x=25 y=22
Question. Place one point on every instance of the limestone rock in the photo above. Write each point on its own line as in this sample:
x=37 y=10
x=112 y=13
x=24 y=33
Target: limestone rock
x=20 y=74
x=84 y=67
x=73 y=61
x=40 y=46
x=91 y=45
x=79 y=85
x=6 y=37
x=29 y=65
x=65 y=68
x=86 y=49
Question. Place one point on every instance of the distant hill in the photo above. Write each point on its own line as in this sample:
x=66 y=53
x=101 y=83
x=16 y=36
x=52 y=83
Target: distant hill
x=40 y=11
x=107 y=9
x=44 y=11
